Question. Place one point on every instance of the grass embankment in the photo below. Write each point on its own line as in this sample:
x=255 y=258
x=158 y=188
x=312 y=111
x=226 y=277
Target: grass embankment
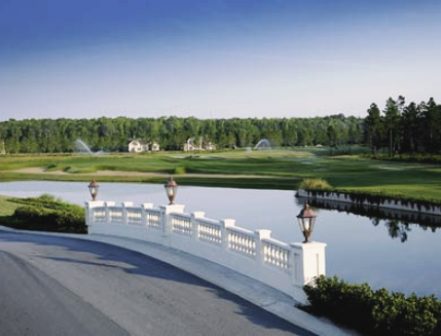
x=44 y=213
x=275 y=169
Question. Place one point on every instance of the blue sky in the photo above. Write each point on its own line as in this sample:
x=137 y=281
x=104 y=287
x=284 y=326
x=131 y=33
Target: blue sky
x=214 y=58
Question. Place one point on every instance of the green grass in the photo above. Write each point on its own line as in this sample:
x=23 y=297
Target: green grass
x=7 y=206
x=277 y=169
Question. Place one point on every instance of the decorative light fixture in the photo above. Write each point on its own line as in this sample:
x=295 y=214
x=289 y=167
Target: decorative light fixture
x=171 y=188
x=93 y=188
x=306 y=219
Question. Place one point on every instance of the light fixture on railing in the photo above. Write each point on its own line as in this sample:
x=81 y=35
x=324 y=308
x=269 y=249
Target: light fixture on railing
x=306 y=219
x=93 y=188
x=171 y=188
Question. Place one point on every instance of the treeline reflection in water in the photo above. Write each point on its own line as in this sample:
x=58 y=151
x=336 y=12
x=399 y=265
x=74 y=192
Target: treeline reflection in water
x=398 y=223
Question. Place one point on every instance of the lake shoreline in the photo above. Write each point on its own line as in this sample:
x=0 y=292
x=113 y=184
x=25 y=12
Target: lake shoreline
x=371 y=201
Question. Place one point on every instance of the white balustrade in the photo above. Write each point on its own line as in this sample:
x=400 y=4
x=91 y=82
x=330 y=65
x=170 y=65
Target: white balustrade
x=181 y=223
x=153 y=218
x=116 y=214
x=209 y=231
x=276 y=253
x=242 y=241
x=286 y=267
x=99 y=214
x=134 y=216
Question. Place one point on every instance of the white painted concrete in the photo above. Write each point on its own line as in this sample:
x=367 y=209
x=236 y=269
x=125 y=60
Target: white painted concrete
x=283 y=266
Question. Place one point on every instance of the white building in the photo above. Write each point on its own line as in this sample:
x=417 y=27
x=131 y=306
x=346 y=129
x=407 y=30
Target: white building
x=154 y=146
x=139 y=146
x=190 y=146
x=209 y=146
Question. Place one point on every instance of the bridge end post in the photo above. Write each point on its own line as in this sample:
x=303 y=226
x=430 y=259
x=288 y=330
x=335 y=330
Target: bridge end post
x=309 y=261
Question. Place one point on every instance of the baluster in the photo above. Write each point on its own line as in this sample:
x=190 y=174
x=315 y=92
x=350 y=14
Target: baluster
x=225 y=234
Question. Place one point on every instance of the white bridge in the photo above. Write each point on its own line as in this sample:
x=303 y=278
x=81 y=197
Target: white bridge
x=286 y=267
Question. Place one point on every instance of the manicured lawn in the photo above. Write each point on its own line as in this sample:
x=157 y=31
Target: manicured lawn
x=276 y=169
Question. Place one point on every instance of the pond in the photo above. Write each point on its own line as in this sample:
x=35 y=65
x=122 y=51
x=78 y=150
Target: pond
x=390 y=253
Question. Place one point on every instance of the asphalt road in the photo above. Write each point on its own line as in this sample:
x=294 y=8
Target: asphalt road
x=60 y=286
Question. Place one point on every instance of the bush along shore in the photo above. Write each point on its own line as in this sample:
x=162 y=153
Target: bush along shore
x=373 y=312
x=45 y=213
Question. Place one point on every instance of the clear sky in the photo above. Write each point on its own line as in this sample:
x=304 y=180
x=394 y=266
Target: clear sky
x=214 y=58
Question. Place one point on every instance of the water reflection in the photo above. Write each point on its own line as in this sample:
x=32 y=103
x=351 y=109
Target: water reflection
x=398 y=223
x=396 y=229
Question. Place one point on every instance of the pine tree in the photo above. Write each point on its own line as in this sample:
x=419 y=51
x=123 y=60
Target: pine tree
x=373 y=127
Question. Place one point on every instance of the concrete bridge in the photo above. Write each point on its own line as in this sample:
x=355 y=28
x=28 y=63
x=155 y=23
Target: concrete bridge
x=286 y=267
x=145 y=270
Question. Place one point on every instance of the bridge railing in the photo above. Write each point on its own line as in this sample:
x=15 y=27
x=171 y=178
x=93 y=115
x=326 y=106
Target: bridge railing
x=284 y=266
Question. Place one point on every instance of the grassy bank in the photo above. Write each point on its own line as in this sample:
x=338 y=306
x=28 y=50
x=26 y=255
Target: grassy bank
x=258 y=169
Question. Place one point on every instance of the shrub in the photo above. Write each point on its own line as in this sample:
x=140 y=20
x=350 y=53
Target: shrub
x=180 y=170
x=48 y=214
x=51 y=166
x=374 y=312
x=315 y=184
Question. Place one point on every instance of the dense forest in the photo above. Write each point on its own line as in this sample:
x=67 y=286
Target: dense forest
x=398 y=128
x=113 y=134
x=404 y=128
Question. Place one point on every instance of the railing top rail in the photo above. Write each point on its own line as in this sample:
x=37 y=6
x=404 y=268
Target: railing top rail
x=101 y=207
x=277 y=243
x=241 y=230
x=210 y=221
x=180 y=215
x=94 y=204
x=155 y=210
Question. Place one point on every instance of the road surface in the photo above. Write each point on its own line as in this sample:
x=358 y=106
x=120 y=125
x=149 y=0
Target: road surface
x=61 y=286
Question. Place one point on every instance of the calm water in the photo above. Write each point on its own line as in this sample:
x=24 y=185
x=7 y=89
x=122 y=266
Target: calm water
x=389 y=254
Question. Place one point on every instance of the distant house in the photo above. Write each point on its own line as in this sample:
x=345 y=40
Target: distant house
x=154 y=146
x=139 y=146
x=190 y=146
x=209 y=146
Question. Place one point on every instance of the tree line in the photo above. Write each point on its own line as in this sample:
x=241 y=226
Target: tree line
x=113 y=134
x=404 y=128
